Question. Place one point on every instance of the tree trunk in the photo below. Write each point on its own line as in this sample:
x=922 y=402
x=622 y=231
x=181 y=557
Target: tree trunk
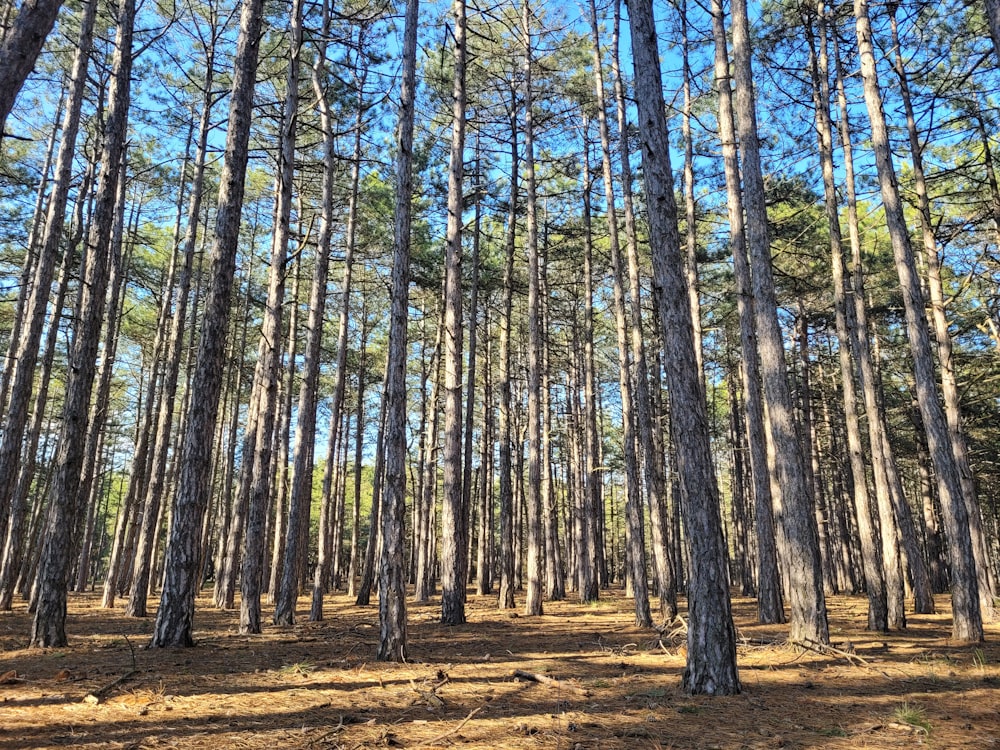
x=967 y=625
x=374 y=543
x=392 y=575
x=533 y=500
x=269 y=350
x=793 y=503
x=507 y=520
x=14 y=546
x=26 y=348
x=454 y=509
x=770 y=607
x=949 y=384
x=871 y=555
x=19 y=48
x=639 y=403
x=711 y=659
x=175 y=617
x=49 y=626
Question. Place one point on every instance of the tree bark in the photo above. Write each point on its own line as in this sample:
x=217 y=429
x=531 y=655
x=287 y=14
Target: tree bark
x=182 y=567
x=24 y=365
x=454 y=509
x=871 y=555
x=652 y=461
x=392 y=575
x=770 y=606
x=711 y=659
x=49 y=626
x=20 y=46
x=507 y=521
x=533 y=501
x=793 y=503
x=949 y=383
x=967 y=623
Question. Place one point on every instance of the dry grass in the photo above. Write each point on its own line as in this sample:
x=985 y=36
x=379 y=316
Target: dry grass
x=315 y=685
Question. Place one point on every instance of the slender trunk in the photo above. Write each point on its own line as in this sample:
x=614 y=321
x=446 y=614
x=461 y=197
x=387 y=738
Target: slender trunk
x=711 y=658
x=359 y=439
x=507 y=562
x=392 y=574
x=640 y=401
x=454 y=508
x=373 y=544
x=183 y=563
x=26 y=351
x=533 y=500
x=49 y=626
x=770 y=607
x=967 y=624
x=13 y=550
x=871 y=555
x=793 y=503
x=949 y=384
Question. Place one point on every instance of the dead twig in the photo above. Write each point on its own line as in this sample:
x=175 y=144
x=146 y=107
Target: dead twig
x=540 y=678
x=455 y=730
x=825 y=650
x=100 y=694
x=332 y=732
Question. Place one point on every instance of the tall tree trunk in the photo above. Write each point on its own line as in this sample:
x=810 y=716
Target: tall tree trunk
x=31 y=254
x=640 y=401
x=14 y=546
x=507 y=520
x=555 y=584
x=770 y=607
x=454 y=509
x=269 y=351
x=793 y=503
x=423 y=506
x=374 y=543
x=711 y=659
x=163 y=437
x=484 y=532
x=182 y=566
x=533 y=500
x=871 y=555
x=485 y=549
x=97 y=419
x=392 y=575
x=49 y=626
x=26 y=352
x=967 y=624
x=949 y=384
x=359 y=439
x=690 y=218
x=322 y=572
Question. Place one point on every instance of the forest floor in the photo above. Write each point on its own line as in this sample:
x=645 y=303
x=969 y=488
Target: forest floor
x=610 y=684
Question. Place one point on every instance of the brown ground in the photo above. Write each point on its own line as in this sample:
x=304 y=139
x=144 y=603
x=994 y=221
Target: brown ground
x=316 y=685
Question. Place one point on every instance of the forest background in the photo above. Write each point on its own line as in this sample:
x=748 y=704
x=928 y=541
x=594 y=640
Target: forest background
x=178 y=413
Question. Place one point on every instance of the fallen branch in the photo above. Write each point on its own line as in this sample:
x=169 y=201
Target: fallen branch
x=825 y=650
x=100 y=694
x=533 y=677
x=97 y=696
x=329 y=734
x=450 y=732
